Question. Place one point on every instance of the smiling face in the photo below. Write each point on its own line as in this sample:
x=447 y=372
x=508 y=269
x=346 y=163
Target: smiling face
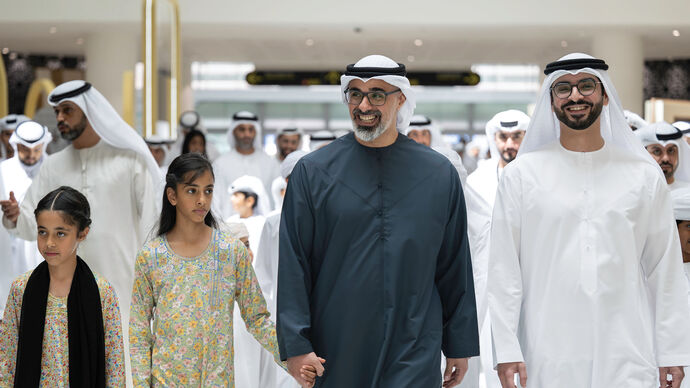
x=370 y=121
x=666 y=156
x=576 y=111
x=58 y=237
x=287 y=143
x=192 y=199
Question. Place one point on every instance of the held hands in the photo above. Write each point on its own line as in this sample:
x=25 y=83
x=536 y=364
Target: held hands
x=455 y=371
x=305 y=368
x=676 y=373
x=507 y=371
x=10 y=208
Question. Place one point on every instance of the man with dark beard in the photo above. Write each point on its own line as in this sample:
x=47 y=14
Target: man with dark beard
x=246 y=157
x=665 y=144
x=110 y=164
x=586 y=288
x=504 y=133
x=375 y=274
x=289 y=139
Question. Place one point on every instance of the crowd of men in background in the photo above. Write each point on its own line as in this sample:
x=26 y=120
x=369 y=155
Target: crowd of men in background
x=250 y=186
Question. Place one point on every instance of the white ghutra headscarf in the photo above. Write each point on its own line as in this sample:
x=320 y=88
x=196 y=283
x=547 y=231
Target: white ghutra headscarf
x=389 y=71
x=544 y=126
x=104 y=120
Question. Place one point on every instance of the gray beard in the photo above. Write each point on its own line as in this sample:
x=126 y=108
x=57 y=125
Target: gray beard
x=369 y=134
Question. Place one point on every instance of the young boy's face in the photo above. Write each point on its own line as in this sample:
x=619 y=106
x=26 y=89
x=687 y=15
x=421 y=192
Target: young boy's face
x=241 y=203
x=684 y=233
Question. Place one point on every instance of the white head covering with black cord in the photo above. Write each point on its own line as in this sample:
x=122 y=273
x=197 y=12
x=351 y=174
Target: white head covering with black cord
x=664 y=134
x=245 y=117
x=544 y=127
x=420 y=123
x=103 y=118
x=31 y=134
x=319 y=139
x=511 y=120
x=387 y=70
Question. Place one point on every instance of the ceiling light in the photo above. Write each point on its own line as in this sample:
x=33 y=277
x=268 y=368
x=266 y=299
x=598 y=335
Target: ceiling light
x=564 y=44
x=676 y=33
x=80 y=41
x=309 y=42
x=410 y=58
x=53 y=30
x=418 y=42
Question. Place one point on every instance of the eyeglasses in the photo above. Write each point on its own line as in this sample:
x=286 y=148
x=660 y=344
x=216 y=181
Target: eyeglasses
x=515 y=136
x=375 y=97
x=585 y=86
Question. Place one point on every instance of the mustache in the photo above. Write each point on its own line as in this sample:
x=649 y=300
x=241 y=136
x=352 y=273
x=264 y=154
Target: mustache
x=665 y=164
x=580 y=102
x=357 y=111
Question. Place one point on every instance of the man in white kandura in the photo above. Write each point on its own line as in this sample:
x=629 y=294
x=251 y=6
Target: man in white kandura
x=586 y=287
x=7 y=126
x=246 y=157
x=424 y=131
x=504 y=132
x=110 y=164
x=17 y=255
x=666 y=145
x=266 y=268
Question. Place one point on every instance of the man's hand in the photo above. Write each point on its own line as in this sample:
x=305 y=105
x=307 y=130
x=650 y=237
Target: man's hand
x=507 y=371
x=676 y=373
x=299 y=368
x=455 y=371
x=10 y=208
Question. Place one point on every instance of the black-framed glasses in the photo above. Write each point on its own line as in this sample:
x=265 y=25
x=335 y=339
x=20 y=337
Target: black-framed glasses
x=375 y=97
x=585 y=86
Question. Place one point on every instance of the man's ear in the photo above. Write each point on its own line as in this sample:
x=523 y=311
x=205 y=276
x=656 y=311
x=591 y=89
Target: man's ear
x=250 y=200
x=402 y=100
x=606 y=98
x=172 y=196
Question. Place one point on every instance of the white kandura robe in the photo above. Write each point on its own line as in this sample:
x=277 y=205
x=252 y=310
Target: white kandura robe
x=120 y=191
x=585 y=276
x=678 y=184
x=478 y=231
x=250 y=363
x=484 y=180
x=233 y=165
x=686 y=380
x=266 y=268
x=17 y=255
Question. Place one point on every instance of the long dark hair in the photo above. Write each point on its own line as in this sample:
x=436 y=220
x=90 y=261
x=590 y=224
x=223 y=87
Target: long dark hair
x=73 y=205
x=188 y=139
x=183 y=169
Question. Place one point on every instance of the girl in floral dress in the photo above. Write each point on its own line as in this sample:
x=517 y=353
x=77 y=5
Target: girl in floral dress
x=61 y=325
x=186 y=282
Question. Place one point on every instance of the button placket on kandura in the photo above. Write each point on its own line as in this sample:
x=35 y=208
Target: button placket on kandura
x=589 y=262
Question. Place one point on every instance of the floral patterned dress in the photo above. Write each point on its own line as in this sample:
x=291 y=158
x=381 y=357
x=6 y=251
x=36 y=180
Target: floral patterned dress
x=55 y=357
x=180 y=325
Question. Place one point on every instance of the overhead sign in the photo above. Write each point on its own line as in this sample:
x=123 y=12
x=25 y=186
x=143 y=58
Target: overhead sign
x=306 y=78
